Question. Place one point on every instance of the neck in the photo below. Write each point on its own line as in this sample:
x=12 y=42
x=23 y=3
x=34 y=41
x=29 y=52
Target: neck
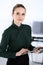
x=18 y=24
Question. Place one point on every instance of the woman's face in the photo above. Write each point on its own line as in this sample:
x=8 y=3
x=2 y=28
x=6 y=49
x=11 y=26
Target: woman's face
x=19 y=14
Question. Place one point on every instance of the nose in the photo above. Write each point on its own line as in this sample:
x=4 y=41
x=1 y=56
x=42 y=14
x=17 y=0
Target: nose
x=20 y=16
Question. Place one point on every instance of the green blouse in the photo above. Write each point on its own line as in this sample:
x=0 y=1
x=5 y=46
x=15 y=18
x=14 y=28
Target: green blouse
x=14 y=39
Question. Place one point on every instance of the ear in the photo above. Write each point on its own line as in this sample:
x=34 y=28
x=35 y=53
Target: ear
x=12 y=15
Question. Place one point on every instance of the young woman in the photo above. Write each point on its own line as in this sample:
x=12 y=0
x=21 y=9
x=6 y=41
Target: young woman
x=16 y=40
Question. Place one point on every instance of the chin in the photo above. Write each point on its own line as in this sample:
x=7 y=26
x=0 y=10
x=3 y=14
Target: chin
x=20 y=21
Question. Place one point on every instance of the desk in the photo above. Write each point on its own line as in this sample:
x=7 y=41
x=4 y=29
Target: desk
x=34 y=63
x=35 y=59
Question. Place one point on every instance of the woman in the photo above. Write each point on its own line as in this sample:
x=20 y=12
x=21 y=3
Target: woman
x=16 y=40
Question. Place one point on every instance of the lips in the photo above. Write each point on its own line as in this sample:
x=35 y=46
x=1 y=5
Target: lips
x=20 y=19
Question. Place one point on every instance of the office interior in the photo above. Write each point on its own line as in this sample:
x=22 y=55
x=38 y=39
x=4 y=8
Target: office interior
x=34 y=18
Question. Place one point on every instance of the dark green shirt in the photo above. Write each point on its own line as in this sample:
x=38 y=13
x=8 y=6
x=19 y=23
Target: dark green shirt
x=14 y=39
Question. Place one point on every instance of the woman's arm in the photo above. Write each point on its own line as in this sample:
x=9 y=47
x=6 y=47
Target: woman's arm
x=3 y=46
x=29 y=39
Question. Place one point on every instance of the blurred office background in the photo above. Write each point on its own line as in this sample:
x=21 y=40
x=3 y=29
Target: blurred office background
x=34 y=18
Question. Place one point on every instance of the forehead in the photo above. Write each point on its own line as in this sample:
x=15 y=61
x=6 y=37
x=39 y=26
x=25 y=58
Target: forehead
x=20 y=10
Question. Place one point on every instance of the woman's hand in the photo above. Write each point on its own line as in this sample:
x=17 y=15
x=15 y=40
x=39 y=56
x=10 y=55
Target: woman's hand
x=22 y=52
x=37 y=49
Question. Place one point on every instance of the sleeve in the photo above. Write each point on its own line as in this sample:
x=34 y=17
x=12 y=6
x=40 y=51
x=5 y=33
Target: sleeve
x=29 y=39
x=3 y=46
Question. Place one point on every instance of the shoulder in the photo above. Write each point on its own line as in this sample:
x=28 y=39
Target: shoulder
x=7 y=30
x=26 y=26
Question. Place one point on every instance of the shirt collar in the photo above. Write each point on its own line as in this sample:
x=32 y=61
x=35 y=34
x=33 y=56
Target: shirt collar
x=15 y=26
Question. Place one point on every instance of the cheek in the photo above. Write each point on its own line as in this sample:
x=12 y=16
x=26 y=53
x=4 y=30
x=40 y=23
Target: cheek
x=23 y=17
x=14 y=17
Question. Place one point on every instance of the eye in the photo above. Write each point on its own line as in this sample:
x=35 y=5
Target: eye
x=23 y=13
x=17 y=13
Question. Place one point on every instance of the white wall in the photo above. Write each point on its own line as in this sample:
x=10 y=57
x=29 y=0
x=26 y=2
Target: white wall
x=34 y=13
